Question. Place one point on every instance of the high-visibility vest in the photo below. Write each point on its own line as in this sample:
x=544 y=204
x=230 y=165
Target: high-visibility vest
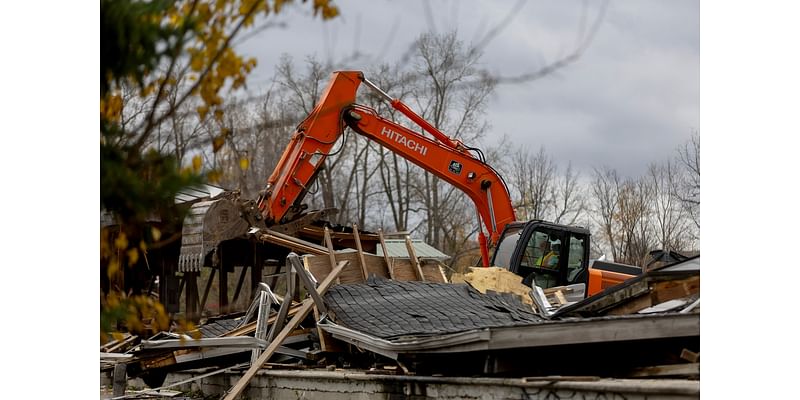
x=551 y=257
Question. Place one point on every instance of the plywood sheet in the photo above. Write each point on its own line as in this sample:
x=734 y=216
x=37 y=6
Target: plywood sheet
x=499 y=280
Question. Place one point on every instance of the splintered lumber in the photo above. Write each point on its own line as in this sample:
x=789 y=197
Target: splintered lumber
x=305 y=308
x=499 y=280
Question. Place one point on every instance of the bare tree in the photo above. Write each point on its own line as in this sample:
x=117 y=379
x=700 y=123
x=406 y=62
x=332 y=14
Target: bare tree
x=444 y=66
x=634 y=238
x=533 y=175
x=669 y=216
x=605 y=187
x=687 y=190
x=568 y=198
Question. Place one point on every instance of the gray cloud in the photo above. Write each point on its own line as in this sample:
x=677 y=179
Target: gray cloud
x=631 y=99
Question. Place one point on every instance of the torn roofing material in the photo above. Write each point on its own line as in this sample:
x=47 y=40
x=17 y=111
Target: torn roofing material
x=391 y=309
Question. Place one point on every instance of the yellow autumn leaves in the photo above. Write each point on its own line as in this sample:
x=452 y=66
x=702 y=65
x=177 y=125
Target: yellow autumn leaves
x=194 y=64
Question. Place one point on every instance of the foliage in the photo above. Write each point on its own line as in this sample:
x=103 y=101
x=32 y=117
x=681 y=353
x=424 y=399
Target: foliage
x=145 y=47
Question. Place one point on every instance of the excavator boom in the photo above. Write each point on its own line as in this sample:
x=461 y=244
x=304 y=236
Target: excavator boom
x=442 y=156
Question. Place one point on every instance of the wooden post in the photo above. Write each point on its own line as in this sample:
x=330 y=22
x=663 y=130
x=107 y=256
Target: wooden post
x=413 y=255
x=120 y=379
x=360 y=252
x=191 y=295
x=386 y=254
x=329 y=245
x=222 y=291
x=305 y=308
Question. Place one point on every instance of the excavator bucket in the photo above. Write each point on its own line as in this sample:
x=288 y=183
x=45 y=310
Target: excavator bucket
x=206 y=225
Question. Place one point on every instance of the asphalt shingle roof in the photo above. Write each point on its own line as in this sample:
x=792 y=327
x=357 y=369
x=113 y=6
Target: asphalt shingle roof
x=390 y=309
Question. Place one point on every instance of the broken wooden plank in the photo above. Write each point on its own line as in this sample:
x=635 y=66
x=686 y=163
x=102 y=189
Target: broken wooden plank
x=675 y=289
x=414 y=260
x=386 y=254
x=360 y=252
x=329 y=246
x=692 y=369
x=289 y=242
x=119 y=346
x=690 y=356
x=239 y=342
x=305 y=308
x=560 y=297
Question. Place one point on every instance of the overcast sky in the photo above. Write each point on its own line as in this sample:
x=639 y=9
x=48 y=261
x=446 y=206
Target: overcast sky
x=630 y=99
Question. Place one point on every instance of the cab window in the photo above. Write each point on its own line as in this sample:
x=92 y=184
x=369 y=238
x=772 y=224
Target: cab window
x=540 y=260
x=505 y=250
x=577 y=246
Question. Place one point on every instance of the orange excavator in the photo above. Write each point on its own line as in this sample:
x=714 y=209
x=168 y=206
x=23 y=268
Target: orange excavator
x=543 y=253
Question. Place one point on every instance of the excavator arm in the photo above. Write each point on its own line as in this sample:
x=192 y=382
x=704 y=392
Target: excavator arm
x=442 y=156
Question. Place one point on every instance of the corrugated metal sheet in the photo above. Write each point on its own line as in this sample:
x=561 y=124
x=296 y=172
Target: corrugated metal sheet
x=397 y=248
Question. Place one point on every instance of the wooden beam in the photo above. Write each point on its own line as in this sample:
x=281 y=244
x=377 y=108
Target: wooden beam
x=290 y=242
x=329 y=245
x=192 y=300
x=412 y=254
x=691 y=369
x=360 y=252
x=222 y=290
x=386 y=254
x=305 y=308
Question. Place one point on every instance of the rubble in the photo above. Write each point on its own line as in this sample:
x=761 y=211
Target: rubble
x=389 y=314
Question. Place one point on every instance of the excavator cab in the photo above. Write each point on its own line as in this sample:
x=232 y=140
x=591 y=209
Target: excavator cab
x=544 y=253
x=550 y=255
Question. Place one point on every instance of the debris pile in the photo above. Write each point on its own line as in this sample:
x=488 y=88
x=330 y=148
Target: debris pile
x=361 y=310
